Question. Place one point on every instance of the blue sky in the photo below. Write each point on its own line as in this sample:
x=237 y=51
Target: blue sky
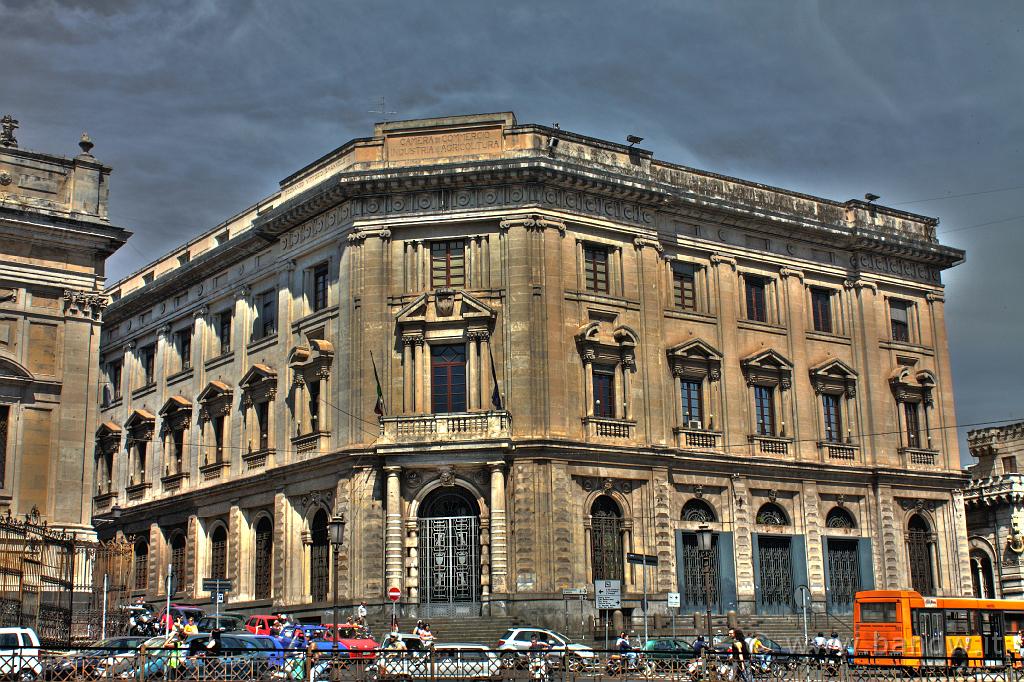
x=201 y=107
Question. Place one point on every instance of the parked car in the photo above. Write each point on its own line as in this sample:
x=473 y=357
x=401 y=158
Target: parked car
x=299 y=636
x=225 y=622
x=185 y=612
x=269 y=647
x=19 y=654
x=516 y=641
x=780 y=655
x=462 y=661
x=357 y=640
x=668 y=653
x=260 y=624
x=104 y=653
x=238 y=659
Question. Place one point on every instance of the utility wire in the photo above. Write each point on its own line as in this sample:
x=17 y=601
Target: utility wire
x=958 y=196
x=991 y=222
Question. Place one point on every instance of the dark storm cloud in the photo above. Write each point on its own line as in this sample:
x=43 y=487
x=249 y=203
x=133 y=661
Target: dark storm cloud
x=201 y=107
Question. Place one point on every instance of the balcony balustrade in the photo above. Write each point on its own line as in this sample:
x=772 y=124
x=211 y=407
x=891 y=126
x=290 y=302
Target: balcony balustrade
x=452 y=426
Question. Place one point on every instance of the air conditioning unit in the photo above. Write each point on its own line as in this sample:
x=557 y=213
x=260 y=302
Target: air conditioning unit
x=694 y=425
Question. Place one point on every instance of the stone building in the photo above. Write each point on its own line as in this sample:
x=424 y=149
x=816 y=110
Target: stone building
x=582 y=352
x=54 y=240
x=995 y=511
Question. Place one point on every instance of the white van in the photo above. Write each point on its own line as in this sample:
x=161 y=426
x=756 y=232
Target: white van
x=19 y=654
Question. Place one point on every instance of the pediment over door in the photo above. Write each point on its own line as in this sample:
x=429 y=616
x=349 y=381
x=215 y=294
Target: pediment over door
x=445 y=306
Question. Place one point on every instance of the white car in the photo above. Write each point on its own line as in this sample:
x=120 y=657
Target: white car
x=464 y=661
x=19 y=654
x=516 y=641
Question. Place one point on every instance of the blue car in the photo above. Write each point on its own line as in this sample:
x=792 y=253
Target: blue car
x=299 y=637
x=272 y=649
x=238 y=659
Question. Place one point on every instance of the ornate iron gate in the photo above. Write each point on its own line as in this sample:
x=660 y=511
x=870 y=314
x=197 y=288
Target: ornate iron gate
x=694 y=596
x=37 y=569
x=843 y=575
x=775 y=566
x=606 y=543
x=449 y=562
x=920 y=553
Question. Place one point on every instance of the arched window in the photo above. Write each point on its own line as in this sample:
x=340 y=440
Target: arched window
x=920 y=545
x=771 y=514
x=981 y=574
x=319 y=557
x=840 y=518
x=219 y=553
x=178 y=562
x=141 y=565
x=606 y=539
x=264 y=555
x=698 y=510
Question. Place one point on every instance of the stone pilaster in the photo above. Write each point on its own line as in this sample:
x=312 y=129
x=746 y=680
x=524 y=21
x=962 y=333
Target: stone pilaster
x=194 y=540
x=814 y=540
x=240 y=553
x=960 y=584
x=393 y=528
x=888 y=556
x=561 y=525
x=742 y=528
x=525 y=540
x=499 y=533
x=343 y=506
x=664 y=542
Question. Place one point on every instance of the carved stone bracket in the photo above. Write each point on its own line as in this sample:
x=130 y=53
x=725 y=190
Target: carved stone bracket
x=533 y=222
x=918 y=504
x=317 y=498
x=935 y=297
x=446 y=476
x=719 y=259
x=83 y=304
x=792 y=272
x=639 y=243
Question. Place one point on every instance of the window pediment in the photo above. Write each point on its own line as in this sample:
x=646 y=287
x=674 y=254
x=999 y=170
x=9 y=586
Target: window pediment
x=176 y=414
x=11 y=370
x=215 y=390
x=108 y=437
x=695 y=358
x=214 y=400
x=910 y=386
x=767 y=368
x=311 y=361
x=140 y=425
x=444 y=306
x=259 y=384
x=834 y=376
x=597 y=344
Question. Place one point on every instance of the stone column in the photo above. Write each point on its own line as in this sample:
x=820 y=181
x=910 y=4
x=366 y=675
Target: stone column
x=473 y=372
x=499 y=536
x=486 y=389
x=408 y=376
x=195 y=558
x=412 y=580
x=420 y=373
x=239 y=568
x=393 y=559
x=588 y=381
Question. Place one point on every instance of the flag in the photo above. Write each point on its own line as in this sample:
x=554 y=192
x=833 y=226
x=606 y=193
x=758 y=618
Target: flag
x=495 y=394
x=378 y=409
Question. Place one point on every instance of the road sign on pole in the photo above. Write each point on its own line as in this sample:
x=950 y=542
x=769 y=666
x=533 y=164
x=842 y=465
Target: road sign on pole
x=394 y=593
x=642 y=559
x=673 y=600
x=608 y=594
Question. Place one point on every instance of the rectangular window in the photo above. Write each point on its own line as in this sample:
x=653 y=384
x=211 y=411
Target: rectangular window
x=218 y=438
x=604 y=392
x=263 y=423
x=765 y=410
x=899 y=318
x=833 y=418
x=693 y=408
x=224 y=331
x=314 y=406
x=912 y=424
x=178 y=437
x=821 y=309
x=114 y=379
x=755 y=288
x=882 y=612
x=684 y=285
x=448 y=263
x=265 y=323
x=448 y=378
x=183 y=344
x=148 y=359
x=595 y=268
x=1009 y=465
x=320 y=287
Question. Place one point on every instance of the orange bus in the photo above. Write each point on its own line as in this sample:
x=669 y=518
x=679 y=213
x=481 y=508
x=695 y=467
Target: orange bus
x=902 y=628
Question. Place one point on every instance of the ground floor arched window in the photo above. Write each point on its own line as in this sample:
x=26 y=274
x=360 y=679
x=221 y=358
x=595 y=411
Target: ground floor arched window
x=264 y=556
x=920 y=548
x=178 y=563
x=606 y=539
x=141 y=580
x=219 y=553
x=982 y=575
x=449 y=547
x=319 y=557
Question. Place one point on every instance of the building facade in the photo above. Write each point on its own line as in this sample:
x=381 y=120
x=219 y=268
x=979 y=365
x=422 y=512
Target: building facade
x=54 y=240
x=582 y=352
x=995 y=511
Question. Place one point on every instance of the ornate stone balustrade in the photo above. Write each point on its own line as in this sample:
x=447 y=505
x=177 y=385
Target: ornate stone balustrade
x=256 y=459
x=842 y=452
x=174 y=481
x=603 y=427
x=919 y=457
x=213 y=470
x=446 y=427
x=769 y=445
x=311 y=443
x=689 y=439
x=136 y=491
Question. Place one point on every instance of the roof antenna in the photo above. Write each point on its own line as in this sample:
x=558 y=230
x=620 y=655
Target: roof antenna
x=382 y=109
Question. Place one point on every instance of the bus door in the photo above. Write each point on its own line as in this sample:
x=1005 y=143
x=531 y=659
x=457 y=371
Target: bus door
x=930 y=627
x=992 y=643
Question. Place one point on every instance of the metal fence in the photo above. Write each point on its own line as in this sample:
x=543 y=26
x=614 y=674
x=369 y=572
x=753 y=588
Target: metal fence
x=453 y=662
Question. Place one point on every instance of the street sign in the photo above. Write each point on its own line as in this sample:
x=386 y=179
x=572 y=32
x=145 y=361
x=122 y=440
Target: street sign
x=217 y=585
x=220 y=597
x=574 y=592
x=608 y=594
x=673 y=600
x=642 y=559
x=394 y=594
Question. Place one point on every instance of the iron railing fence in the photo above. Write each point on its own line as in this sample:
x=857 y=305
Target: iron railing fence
x=466 y=662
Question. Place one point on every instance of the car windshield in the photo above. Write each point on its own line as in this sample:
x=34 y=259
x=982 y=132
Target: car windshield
x=262 y=643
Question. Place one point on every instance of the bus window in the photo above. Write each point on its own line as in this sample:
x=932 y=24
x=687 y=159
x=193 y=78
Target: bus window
x=1013 y=621
x=878 y=612
x=958 y=622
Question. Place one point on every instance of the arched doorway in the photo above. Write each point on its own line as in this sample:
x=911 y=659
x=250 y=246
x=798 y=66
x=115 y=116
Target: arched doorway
x=606 y=539
x=319 y=557
x=920 y=541
x=449 y=549
x=983 y=578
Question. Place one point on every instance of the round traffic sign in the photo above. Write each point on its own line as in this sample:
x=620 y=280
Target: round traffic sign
x=394 y=593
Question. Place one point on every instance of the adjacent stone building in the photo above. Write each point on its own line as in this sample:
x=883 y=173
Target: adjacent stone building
x=54 y=239
x=581 y=352
x=995 y=511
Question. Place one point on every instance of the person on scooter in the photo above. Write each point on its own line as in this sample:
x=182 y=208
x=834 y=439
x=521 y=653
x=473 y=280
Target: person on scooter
x=626 y=650
x=818 y=648
x=834 y=649
x=538 y=657
x=699 y=645
x=740 y=654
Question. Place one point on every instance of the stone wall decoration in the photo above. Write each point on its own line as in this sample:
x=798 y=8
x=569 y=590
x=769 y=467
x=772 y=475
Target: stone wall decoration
x=318 y=498
x=413 y=478
x=916 y=504
x=444 y=301
x=607 y=485
x=447 y=477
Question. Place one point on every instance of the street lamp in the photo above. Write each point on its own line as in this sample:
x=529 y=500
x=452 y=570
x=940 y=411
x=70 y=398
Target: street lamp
x=336 y=531
x=704 y=540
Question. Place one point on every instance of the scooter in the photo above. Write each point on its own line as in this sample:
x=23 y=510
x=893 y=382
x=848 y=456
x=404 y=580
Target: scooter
x=540 y=671
x=624 y=664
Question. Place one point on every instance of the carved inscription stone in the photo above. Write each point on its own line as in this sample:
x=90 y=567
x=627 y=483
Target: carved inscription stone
x=440 y=145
